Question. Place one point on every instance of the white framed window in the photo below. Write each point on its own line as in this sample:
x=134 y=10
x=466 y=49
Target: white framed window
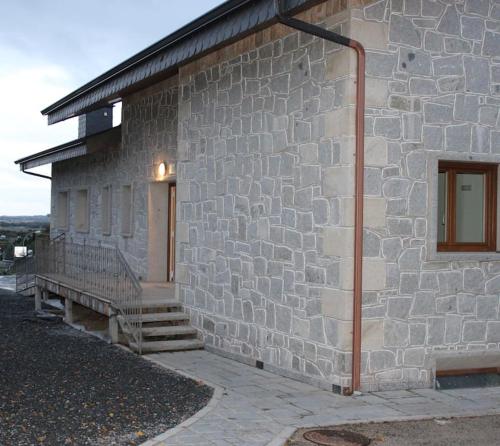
x=62 y=210
x=82 y=210
x=126 y=210
x=106 y=210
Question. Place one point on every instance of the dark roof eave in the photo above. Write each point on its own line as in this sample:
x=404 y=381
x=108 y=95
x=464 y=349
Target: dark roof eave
x=65 y=146
x=183 y=34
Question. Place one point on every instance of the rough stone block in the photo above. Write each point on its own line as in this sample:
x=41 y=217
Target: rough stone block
x=458 y=138
x=402 y=30
x=396 y=333
x=477 y=75
x=474 y=331
x=450 y=21
x=373 y=214
x=382 y=360
x=414 y=357
x=399 y=307
x=493 y=331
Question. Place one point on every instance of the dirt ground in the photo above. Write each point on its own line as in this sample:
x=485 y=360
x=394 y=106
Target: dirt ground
x=480 y=431
x=59 y=386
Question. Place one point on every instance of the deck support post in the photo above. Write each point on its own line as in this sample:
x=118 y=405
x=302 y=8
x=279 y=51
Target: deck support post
x=38 y=298
x=45 y=295
x=113 y=328
x=68 y=311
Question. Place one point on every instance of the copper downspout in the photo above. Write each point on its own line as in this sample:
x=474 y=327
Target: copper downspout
x=358 y=177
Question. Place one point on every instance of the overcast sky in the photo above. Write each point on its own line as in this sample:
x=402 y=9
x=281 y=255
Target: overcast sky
x=48 y=48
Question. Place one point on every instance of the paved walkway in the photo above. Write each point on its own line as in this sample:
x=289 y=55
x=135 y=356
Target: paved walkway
x=253 y=407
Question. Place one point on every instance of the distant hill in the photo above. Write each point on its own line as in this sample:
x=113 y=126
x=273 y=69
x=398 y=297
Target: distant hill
x=23 y=219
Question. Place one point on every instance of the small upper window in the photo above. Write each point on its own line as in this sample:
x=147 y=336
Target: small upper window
x=467 y=206
x=82 y=210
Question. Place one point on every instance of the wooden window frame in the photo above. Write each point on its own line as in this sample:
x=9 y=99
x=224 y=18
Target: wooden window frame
x=451 y=168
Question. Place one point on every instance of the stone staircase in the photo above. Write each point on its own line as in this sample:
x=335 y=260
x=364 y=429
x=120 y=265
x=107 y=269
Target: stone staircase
x=165 y=327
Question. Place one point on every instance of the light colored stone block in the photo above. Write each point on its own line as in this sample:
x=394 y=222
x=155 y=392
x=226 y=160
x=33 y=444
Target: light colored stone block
x=377 y=92
x=340 y=122
x=338 y=241
x=376 y=151
x=338 y=181
x=340 y=64
x=374 y=275
x=373 y=215
x=372 y=334
x=336 y=304
x=373 y=35
x=346 y=271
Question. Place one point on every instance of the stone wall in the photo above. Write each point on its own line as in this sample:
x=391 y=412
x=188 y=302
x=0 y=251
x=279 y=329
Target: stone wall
x=148 y=136
x=265 y=187
x=263 y=157
x=438 y=74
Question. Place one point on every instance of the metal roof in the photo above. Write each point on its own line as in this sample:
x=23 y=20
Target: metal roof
x=72 y=149
x=231 y=20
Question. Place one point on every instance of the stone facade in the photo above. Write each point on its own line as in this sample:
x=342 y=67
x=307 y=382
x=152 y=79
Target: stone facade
x=264 y=143
x=148 y=137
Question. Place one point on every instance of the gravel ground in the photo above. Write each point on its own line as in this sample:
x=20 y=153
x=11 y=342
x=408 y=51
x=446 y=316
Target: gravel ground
x=480 y=431
x=59 y=386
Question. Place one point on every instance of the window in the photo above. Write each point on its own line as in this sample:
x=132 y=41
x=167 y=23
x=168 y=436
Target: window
x=62 y=210
x=106 y=210
x=82 y=211
x=467 y=202
x=126 y=208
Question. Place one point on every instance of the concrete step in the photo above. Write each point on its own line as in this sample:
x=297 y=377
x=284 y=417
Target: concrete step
x=172 y=330
x=148 y=304
x=168 y=346
x=159 y=317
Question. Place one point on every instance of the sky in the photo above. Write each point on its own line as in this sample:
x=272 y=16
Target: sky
x=48 y=48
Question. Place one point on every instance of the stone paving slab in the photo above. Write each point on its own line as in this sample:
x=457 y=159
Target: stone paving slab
x=253 y=407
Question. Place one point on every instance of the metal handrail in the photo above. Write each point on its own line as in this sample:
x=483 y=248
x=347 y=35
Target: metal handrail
x=96 y=269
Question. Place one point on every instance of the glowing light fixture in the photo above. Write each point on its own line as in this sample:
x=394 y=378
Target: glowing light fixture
x=162 y=169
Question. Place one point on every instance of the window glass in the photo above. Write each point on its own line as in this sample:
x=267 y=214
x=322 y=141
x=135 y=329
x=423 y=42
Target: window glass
x=470 y=208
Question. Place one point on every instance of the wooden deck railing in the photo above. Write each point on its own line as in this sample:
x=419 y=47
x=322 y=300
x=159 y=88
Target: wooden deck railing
x=95 y=269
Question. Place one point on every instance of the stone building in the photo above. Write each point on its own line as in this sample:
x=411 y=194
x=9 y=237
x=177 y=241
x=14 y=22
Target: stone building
x=254 y=123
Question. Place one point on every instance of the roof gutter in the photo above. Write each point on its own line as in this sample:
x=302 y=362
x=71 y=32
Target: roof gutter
x=358 y=177
x=36 y=174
